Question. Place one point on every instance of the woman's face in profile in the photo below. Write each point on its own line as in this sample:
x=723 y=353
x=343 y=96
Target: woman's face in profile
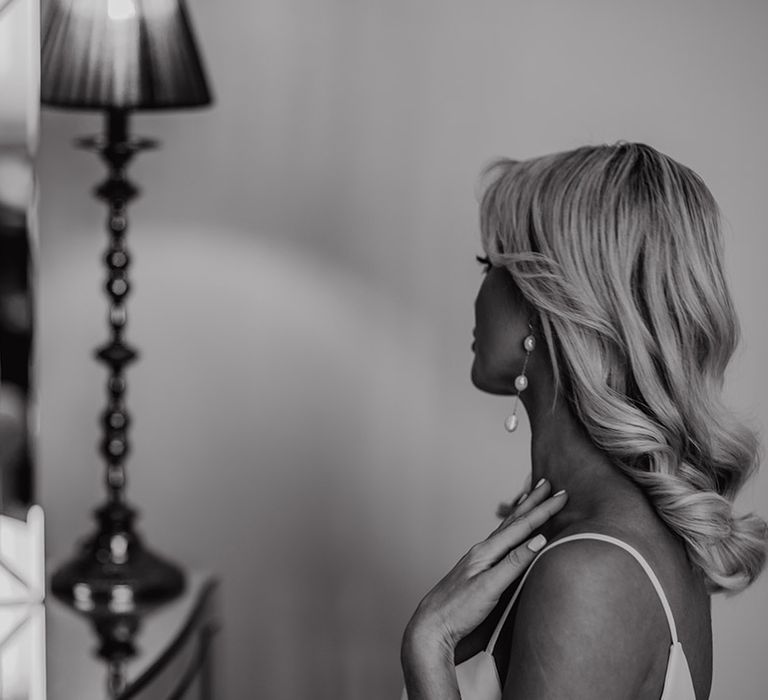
x=500 y=326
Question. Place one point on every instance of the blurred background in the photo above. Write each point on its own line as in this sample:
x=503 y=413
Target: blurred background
x=304 y=279
x=19 y=116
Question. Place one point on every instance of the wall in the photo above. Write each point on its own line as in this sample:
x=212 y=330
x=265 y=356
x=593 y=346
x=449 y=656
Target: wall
x=304 y=280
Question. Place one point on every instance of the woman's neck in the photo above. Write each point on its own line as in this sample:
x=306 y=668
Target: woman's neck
x=564 y=454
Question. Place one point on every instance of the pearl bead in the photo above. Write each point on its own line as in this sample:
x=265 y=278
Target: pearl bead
x=511 y=423
x=529 y=343
x=521 y=382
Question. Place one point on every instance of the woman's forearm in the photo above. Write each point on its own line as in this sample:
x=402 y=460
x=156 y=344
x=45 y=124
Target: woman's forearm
x=428 y=668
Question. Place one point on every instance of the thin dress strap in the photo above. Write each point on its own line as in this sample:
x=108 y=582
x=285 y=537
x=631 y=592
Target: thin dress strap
x=604 y=538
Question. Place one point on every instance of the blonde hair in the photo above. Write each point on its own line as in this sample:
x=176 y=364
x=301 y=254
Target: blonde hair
x=618 y=249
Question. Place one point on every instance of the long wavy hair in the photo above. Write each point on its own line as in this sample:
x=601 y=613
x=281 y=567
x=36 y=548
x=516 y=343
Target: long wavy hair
x=618 y=249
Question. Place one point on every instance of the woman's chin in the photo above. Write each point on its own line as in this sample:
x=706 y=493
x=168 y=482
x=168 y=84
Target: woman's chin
x=490 y=385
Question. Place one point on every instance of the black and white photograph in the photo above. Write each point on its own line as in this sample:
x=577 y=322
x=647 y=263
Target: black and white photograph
x=383 y=350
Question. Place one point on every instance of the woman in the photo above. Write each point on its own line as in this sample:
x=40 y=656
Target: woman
x=605 y=310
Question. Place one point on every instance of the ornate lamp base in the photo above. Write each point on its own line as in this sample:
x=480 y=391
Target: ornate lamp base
x=114 y=568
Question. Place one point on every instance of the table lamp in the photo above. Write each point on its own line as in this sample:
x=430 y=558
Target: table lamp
x=117 y=56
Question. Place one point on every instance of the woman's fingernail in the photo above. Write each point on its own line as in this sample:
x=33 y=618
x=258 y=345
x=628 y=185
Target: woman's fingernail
x=521 y=499
x=559 y=493
x=537 y=543
x=540 y=482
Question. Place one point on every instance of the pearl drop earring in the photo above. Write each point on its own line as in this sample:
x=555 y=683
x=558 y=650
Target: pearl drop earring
x=521 y=381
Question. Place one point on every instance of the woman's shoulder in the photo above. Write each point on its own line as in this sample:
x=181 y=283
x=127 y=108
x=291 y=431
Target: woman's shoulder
x=589 y=608
x=581 y=572
x=637 y=566
x=583 y=613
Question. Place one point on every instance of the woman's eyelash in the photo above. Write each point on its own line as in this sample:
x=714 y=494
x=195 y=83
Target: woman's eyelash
x=485 y=261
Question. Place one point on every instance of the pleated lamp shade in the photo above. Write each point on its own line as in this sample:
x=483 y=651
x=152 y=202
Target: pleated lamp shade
x=121 y=54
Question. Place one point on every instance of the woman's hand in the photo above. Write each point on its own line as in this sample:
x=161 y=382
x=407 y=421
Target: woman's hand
x=470 y=591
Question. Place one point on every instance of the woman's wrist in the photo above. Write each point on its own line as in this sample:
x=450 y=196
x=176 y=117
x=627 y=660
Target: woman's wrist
x=427 y=661
x=423 y=644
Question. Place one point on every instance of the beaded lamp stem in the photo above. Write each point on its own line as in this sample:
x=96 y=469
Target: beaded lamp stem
x=117 y=354
x=113 y=563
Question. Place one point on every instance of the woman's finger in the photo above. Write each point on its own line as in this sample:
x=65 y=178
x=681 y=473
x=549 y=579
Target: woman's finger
x=505 y=509
x=499 y=577
x=542 y=489
x=521 y=528
x=539 y=493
